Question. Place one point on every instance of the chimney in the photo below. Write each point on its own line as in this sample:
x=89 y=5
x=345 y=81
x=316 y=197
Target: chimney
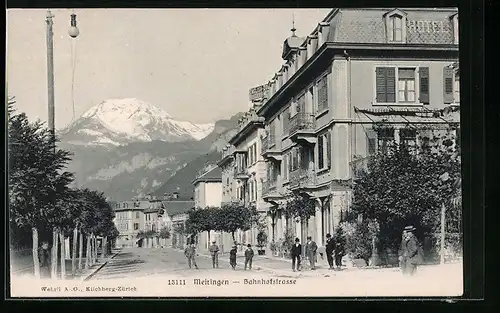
x=149 y=197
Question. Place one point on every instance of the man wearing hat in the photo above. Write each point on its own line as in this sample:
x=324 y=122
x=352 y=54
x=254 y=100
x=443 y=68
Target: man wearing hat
x=311 y=248
x=409 y=253
x=295 y=253
x=214 y=252
x=330 y=248
x=232 y=257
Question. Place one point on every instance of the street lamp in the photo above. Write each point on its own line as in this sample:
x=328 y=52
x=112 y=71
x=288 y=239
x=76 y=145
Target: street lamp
x=73 y=32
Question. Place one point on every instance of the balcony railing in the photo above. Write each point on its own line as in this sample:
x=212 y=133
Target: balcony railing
x=267 y=143
x=302 y=122
x=268 y=187
x=240 y=172
x=302 y=178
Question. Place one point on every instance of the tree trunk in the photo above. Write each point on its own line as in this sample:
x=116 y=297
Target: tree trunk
x=55 y=246
x=36 y=261
x=232 y=235
x=73 y=254
x=63 y=255
x=80 y=250
x=105 y=247
x=87 y=253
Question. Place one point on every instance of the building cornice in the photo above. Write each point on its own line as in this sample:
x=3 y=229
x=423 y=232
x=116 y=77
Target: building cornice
x=245 y=131
x=225 y=160
x=207 y=180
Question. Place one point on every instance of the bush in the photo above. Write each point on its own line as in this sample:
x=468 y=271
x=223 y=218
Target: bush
x=288 y=242
x=358 y=240
x=261 y=239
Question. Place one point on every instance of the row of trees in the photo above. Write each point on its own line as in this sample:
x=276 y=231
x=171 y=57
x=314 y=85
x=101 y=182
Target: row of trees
x=228 y=218
x=42 y=206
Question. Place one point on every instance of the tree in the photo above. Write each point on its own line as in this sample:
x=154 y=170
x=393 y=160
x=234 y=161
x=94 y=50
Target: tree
x=38 y=183
x=405 y=186
x=302 y=207
x=164 y=233
x=234 y=216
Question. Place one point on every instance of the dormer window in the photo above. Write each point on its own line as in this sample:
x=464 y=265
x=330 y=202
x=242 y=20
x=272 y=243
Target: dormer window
x=397 y=28
x=395 y=21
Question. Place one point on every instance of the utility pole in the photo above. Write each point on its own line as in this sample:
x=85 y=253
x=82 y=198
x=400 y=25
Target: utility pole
x=50 y=74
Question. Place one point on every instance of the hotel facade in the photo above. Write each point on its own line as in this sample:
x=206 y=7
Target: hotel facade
x=363 y=78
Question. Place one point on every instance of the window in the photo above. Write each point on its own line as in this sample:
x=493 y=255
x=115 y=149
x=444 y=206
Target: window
x=285 y=167
x=301 y=104
x=136 y=214
x=313 y=98
x=397 y=28
x=323 y=94
x=294 y=159
x=407 y=136
x=385 y=138
x=286 y=120
x=324 y=153
x=272 y=133
x=136 y=226
x=406 y=85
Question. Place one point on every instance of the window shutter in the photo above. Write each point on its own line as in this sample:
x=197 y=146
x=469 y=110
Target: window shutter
x=423 y=74
x=320 y=152
x=380 y=84
x=328 y=150
x=371 y=141
x=391 y=84
x=448 y=85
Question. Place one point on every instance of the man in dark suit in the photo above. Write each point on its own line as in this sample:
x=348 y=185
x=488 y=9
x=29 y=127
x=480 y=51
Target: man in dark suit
x=330 y=248
x=311 y=249
x=295 y=254
x=409 y=254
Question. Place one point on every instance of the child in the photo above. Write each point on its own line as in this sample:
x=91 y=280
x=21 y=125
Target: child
x=232 y=257
x=248 y=256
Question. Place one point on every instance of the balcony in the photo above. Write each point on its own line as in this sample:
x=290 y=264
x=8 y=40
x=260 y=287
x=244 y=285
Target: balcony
x=302 y=179
x=270 y=149
x=241 y=173
x=270 y=191
x=302 y=127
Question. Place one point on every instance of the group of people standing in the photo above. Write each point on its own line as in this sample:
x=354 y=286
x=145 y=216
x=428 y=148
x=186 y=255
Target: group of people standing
x=190 y=253
x=335 y=250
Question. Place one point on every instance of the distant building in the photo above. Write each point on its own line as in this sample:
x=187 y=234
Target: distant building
x=129 y=220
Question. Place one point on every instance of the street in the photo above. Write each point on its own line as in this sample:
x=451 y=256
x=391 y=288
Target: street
x=157 y=267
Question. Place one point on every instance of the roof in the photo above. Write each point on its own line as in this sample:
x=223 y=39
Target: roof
x=214 y=175
x=351 y=25
x=290 y=44
x=173 y=207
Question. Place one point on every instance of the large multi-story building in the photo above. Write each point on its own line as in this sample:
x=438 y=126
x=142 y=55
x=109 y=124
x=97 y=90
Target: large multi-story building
x=129 y=220
x=244 y=169
x=360 y=79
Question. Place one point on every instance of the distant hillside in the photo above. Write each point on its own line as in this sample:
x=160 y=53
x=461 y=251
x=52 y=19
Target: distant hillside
x=182 y=180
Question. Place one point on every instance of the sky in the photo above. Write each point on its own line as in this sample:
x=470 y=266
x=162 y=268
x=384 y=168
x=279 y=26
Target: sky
x=196 y=64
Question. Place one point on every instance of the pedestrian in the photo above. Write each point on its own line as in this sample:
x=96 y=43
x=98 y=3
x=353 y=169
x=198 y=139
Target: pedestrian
x=295 y=254
x=339 y=253
x=248 y=256
x=44 y=259
x=330 y=247
x=214 y=252
x=232 y=257
x=311 y=249
x=190 y=253
x=410 y=253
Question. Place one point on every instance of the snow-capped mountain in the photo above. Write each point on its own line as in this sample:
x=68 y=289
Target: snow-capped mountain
x=116 y=122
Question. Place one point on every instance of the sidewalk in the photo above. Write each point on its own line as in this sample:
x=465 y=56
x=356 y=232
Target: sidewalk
x=25 y=267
